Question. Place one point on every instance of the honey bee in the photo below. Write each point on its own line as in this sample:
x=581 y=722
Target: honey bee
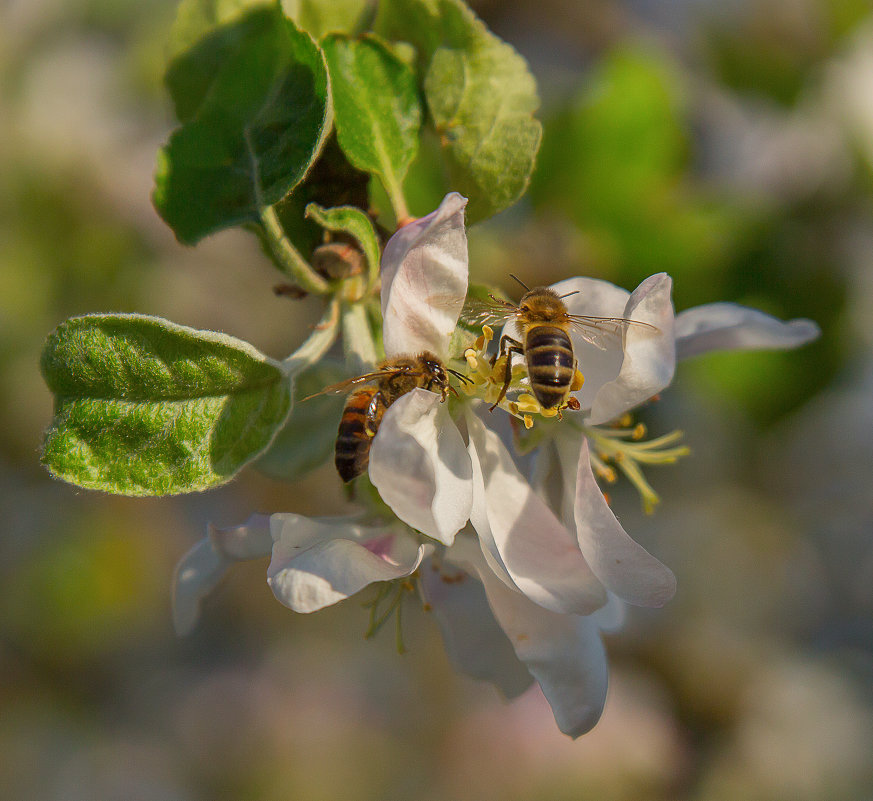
x=545 y=323
x=366 y=407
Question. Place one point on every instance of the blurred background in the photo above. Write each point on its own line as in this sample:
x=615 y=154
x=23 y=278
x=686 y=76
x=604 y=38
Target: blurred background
x=728 y=143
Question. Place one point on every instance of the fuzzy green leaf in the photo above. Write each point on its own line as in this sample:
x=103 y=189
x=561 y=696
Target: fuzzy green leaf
x=378 y=114
x=254 y=102
x=147 y=407
x=480 y=95
x=308 y=437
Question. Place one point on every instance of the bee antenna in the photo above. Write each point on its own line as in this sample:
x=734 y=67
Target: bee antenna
x=520 y=281
x=574 y=292
x=458 y=375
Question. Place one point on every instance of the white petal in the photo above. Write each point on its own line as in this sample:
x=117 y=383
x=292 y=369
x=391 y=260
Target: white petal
x=649 y=354
x=622 y=565
x=521 y=536
x=203 y=567
x=420 y=466
x=317 y=563
x=564 y=653
x=476 y=645
x=727 y=326
x=424 y=281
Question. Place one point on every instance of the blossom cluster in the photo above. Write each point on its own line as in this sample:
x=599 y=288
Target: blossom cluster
x=521 y=561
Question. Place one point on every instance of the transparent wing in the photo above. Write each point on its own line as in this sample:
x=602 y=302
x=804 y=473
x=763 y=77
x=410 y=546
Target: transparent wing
x=603 y=331
x=342 y=386
x=490 y=311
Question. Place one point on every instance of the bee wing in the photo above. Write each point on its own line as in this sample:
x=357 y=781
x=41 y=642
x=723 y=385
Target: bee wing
x=603 y=331
x=342 y=386
x=491 y=311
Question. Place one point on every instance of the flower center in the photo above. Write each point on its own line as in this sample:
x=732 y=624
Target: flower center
x=486 y=375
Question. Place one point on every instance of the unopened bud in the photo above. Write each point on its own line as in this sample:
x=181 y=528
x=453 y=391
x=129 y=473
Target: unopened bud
x=338 y=260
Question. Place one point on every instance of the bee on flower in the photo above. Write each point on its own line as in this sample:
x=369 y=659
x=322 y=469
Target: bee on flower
x=521 y=581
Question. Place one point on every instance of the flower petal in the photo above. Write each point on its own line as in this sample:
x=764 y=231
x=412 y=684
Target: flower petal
x=727 y=326
x=420 y=466
x=203 y=567
x=317 y=563
x=521 y=536
x=564 y=653
x=476 y=645
x=622 y=564
x=424 y=281
x=649 y=354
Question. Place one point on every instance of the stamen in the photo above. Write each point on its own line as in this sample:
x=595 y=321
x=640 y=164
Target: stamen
x=622 y=446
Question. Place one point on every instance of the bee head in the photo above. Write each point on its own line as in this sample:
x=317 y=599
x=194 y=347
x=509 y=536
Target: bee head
x=541 y=305
x=436 y=372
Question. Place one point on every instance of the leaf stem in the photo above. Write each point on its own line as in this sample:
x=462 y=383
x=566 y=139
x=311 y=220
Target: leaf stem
x=394 y=190
x=318 y=343
x=358 y=340
x=288 y=256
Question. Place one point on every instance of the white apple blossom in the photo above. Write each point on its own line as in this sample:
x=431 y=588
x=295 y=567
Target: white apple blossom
x=521 y=575
x=435 y=482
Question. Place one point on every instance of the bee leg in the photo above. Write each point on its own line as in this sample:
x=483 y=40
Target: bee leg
x=374 y=412
x=514 y=347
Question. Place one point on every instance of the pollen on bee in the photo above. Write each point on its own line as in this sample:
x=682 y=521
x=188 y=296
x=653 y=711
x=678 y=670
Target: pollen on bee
x=578 y=381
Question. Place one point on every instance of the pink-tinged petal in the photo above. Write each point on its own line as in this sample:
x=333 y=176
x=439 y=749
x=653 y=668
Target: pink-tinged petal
x=564 y=653
x=203 y=567
x=727 y=326
x=520 y=535
x=317 y=563
x=419 y=464
x=424 y=281
x=474 y=642
x=622 y=565
x=649 y=353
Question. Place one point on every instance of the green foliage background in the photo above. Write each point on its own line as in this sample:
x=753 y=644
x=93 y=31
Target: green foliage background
x=730 y=147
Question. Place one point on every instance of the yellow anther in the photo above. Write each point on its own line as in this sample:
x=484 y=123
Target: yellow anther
x=639 y=431
x=623 y=422
x=528 y=421
x=513 y=407
x=470 y=356
x=577 y=382
x=488 y=332
x=549 y=412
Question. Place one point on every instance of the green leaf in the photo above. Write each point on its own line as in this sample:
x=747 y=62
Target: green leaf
x=308 y=437
x=253 y=98
x=147 y=407
x=378 y=114
x=195 y=19
x=480 y=95
x=352 y=221
x=321 y=17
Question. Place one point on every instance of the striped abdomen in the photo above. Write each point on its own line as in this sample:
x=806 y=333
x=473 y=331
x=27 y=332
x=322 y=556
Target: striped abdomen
x=550 y=364
x=358 y=425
